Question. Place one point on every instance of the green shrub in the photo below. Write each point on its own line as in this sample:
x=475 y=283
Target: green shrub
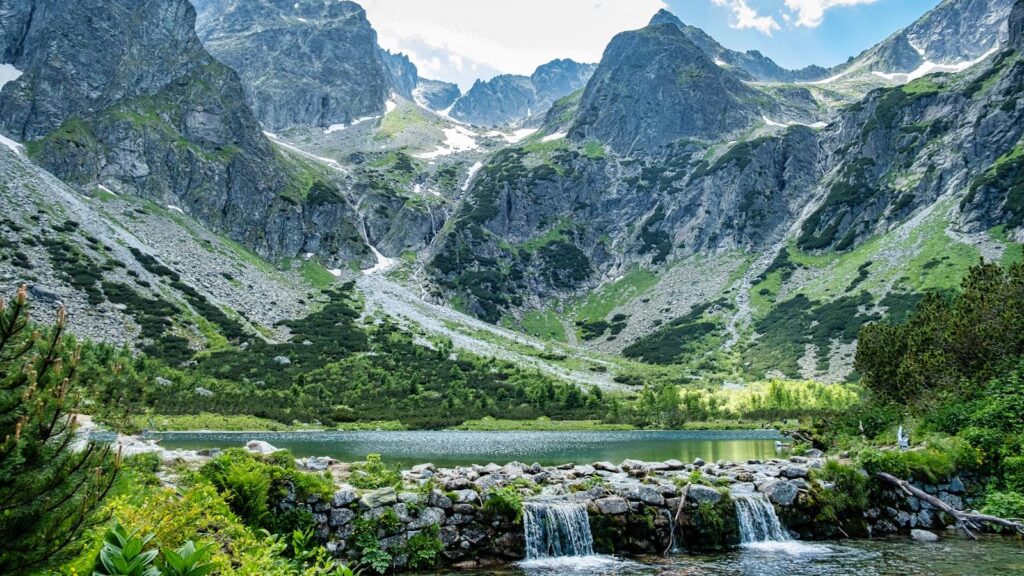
x=374 y=473
x=1004 y=505
x=187 y=560
x=124 y=554
x=366 y=546
x=504 y=503
x=253 y=485
x=928 y=465
x=424 y=548
x=849 y=494
x=1013 y=473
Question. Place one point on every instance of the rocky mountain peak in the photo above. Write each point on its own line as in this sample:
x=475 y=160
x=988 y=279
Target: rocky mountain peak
x=654 y=86
x=665 y=17
x=513 y=99
x=304 y=62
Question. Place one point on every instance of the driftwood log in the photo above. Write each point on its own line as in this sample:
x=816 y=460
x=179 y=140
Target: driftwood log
x=965 y=519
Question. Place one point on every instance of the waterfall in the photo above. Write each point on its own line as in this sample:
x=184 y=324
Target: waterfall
x=758 y=521
x=556 y=529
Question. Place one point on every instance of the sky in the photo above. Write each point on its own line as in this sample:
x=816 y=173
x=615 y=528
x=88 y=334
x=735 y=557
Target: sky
x=463 y=40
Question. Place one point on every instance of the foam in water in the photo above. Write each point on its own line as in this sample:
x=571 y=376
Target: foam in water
x=556 y=529
x=758 y=521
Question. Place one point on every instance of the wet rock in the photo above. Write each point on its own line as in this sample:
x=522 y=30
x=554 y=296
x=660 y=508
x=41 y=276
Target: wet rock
x=923 y=536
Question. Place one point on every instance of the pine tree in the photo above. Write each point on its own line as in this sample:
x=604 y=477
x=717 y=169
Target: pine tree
x=51 y=480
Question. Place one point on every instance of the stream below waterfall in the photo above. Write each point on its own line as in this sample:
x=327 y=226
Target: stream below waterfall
x=897 y=556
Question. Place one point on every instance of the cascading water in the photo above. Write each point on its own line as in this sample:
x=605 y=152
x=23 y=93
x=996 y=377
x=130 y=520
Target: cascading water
x=757 y=519
x=556 y=529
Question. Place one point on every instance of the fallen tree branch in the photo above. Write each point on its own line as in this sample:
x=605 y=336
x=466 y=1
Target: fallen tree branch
x=675 y=521
x=965 y=520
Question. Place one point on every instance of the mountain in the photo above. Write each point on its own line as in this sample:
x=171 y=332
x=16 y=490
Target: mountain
x=750 y=65
x=510 y=99
x=305 y=63
x=950 y=37
x=436 y=95
x=146 y=111
x=661 y=214
x=653 y=87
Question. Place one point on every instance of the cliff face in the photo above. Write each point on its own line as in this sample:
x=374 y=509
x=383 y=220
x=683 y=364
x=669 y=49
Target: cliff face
x=512 y=99
x=305 y=63
x=654 y=87
x=122 y=93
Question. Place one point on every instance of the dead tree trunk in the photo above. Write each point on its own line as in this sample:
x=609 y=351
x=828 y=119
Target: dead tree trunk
x=965 y=520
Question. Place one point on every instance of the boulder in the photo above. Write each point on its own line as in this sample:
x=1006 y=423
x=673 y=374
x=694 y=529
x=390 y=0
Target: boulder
x=421 y=468
x=260 y=447
x=793 y=472
x=814 y=453
x=698 y=462
x=956 y=485
x=438 y=499
x=674 y=465
x=612 y=505
x=343 y=498
x=646 y=494
x=703 y=494
x=607 y=467
x=466 y=496
x=780 y=492
x=340 y=517
x=428 y=517
x=282 y=360
x=377 y=498
x=923 y=536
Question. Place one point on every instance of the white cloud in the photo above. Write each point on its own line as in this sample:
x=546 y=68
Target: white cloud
x=745 y=17
x=474 y=38
x=810 y=13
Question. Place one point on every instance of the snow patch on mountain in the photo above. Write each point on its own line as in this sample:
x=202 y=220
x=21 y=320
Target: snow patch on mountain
x=931 y=68
x=456 y=139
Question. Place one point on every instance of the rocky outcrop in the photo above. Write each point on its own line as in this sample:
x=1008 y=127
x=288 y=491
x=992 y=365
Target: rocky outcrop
x=751 y=65
x=511 y=99
x=1016 y=26
x=953 y=32
x=147 y=111
x=654 y=87
x=436 y=95
x=305 y=63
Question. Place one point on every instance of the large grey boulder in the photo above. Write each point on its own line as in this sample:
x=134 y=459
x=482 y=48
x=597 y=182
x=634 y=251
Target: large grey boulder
x=701 y=494
x=780 y=492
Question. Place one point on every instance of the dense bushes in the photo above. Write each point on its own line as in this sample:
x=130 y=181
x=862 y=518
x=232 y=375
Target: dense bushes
x=957 y=366
x=334 y=369
x=254 y=485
